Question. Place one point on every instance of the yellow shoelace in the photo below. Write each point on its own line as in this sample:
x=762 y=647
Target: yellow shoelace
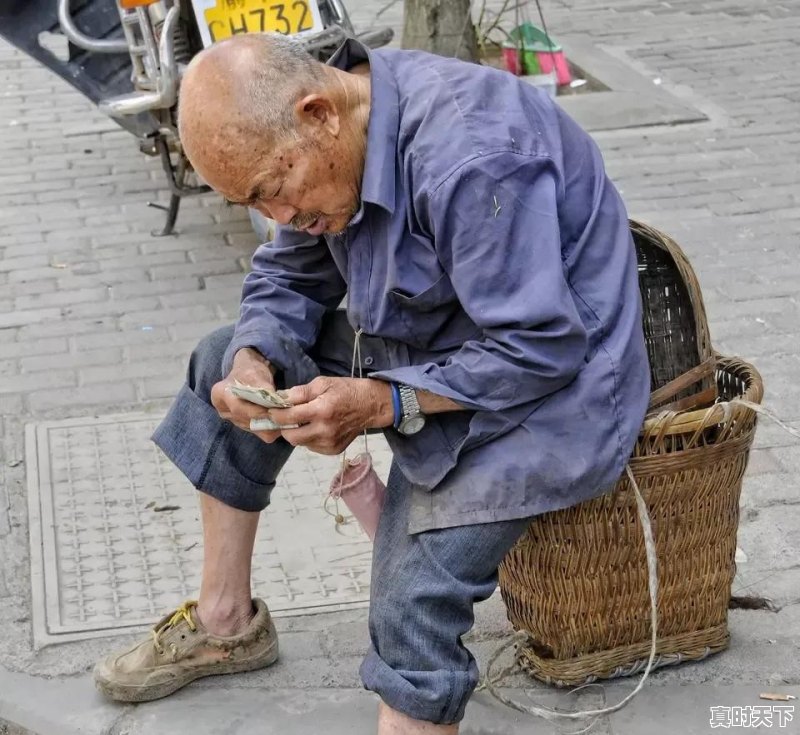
x=184 y=612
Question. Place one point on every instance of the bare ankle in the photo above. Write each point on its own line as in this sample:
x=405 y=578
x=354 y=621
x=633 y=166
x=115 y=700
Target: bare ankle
x=225 y=618
x=392 y=722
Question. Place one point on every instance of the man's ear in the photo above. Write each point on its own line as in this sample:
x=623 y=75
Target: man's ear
x=318 y=111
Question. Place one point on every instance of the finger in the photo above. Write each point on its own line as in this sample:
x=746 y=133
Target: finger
x=324 y=448
x=219 y=397
x=308 y=392
x=305 y=435
x=234 y=409
x=305 y=413
x=244 y=410
x=268 y=437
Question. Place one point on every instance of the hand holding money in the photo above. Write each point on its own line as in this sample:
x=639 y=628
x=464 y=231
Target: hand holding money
x=245 y=396
x=266 y=397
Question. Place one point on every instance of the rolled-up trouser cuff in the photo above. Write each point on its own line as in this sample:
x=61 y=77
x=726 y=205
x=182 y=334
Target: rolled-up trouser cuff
x=209 y=451
x=433 y=696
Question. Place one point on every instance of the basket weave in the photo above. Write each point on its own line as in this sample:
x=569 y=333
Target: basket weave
x=577 y=580
x=675 y=322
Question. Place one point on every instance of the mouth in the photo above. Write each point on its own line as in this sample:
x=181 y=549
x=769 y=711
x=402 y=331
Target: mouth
x=318 y=226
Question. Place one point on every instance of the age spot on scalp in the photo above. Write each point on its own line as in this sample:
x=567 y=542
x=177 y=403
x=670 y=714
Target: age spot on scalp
x=331 y=166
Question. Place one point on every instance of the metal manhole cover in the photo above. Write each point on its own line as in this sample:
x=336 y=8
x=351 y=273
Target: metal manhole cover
x=104 y=559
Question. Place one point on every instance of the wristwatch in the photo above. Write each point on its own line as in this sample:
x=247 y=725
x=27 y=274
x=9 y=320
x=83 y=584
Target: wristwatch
x=411 y=418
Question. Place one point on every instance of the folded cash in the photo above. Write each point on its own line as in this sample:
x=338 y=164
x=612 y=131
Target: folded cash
x=266 y=424
x=265 y=397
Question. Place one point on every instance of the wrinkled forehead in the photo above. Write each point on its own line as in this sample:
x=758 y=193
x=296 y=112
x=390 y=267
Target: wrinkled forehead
x=233 y=164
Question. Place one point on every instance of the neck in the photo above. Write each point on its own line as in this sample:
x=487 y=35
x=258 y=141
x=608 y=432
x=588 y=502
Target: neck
x=352 y=90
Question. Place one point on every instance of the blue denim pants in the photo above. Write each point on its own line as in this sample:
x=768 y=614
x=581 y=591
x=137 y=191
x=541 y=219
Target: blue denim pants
x=423 y=585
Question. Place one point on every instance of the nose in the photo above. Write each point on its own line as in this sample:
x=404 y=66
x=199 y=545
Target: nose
x=281 y=213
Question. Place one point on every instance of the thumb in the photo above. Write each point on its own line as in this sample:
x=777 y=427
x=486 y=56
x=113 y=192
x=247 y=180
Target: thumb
x=308 y=392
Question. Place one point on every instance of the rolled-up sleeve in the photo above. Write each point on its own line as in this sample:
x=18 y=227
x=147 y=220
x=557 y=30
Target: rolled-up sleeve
x=496 y=233
x=293 y=282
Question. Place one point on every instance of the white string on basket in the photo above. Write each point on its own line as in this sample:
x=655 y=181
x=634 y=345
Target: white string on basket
x=763 y=411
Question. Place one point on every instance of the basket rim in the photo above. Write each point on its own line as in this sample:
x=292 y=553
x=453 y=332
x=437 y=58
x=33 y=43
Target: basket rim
x=721 y=412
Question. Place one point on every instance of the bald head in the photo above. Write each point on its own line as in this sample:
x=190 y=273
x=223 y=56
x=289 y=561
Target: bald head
x=245 y=86
x=269 y=127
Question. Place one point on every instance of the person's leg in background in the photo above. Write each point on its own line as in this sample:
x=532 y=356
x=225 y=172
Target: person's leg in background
x=423 y=590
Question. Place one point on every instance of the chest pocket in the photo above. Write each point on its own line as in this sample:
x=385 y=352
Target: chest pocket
x=433 y=318
x=429 y=299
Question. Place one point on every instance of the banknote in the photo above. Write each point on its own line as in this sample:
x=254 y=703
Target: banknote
x=267 y=398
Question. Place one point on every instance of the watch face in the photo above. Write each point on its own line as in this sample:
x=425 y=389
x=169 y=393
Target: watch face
x=412 y=425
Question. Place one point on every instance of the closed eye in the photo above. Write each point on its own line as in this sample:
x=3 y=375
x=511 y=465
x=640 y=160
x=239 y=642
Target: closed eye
x=252 y=199
x=255 y=195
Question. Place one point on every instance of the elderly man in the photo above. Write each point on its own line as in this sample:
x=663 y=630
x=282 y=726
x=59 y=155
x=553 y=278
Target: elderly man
x=486 y=258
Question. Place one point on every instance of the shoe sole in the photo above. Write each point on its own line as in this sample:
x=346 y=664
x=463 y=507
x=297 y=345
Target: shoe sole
x=150 y=692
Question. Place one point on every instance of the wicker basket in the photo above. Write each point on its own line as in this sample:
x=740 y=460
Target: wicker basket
x=675 y=323
x=577 y=580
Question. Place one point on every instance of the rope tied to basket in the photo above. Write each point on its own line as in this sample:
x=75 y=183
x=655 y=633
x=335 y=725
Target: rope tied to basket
x=763 y=411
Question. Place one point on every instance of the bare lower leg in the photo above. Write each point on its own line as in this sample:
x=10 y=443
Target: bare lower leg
x=225 y=605
x=392 y=722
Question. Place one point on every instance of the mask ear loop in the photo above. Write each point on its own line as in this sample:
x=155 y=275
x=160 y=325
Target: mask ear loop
x=338 y=516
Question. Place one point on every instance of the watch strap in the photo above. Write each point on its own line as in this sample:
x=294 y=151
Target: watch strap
x=409 y=402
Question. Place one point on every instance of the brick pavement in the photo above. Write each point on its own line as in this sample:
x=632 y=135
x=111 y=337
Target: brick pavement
x=95 y=315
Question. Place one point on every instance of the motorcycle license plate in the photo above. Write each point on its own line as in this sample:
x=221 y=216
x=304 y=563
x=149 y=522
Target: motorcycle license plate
x=220 y=19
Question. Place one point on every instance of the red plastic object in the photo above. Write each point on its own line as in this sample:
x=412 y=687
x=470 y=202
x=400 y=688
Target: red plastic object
x=511 y=60
x=548 y=60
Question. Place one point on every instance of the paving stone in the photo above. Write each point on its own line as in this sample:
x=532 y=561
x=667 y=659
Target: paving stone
x=124 y=291
x=217 y=266
x=154 y=335
x=155 y=388
x=167 y=317
x=56 y=327
x=53 y=379
x=111 y=308
x=115 y=394
x=60 y=298
x=139 y=369
x=8 y=264
x=51 y=348
x=106 y=356
x=33 y=316
x=10 y=405
x=33 y=274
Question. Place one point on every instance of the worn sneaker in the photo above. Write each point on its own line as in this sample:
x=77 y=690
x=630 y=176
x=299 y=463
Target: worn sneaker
x=179 y=650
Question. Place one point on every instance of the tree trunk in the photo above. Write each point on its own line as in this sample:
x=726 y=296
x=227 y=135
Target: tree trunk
x=442 y=27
